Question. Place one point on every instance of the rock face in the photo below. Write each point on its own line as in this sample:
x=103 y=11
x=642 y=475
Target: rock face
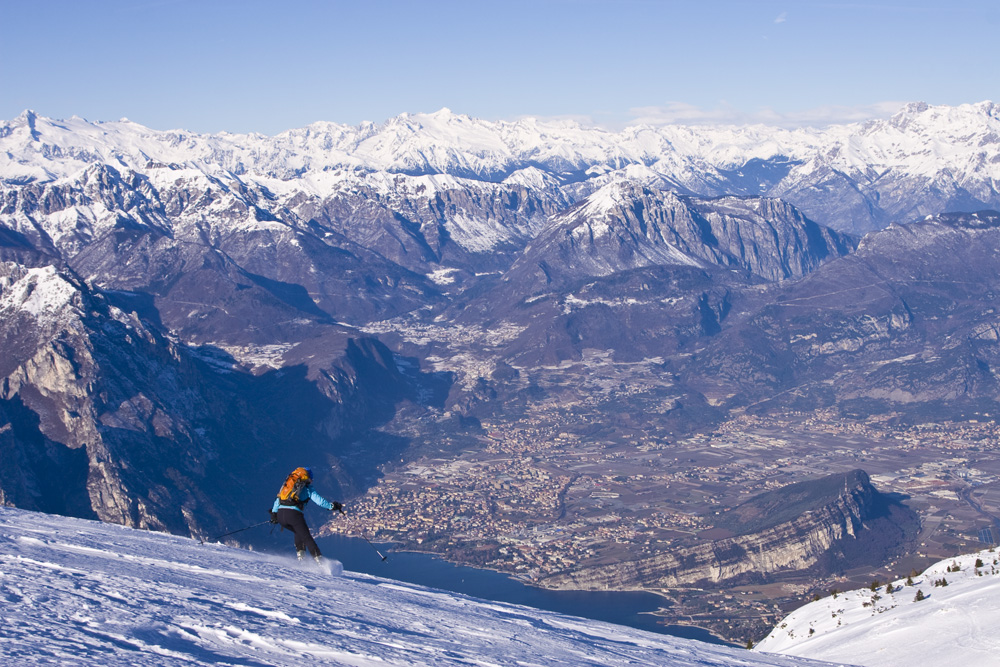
x=825 y=525
x=103 y=416
x=904 y=323
x=625 y=226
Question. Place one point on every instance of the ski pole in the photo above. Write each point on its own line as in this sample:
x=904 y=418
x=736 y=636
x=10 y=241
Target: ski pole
x=233 y=532
x=364 y=537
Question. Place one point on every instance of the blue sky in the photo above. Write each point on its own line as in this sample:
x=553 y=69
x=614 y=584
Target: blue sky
x=268 y=66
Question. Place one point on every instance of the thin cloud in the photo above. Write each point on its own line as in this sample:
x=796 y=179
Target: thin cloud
x=583 y=120
x=679 y=113
x=782 y=17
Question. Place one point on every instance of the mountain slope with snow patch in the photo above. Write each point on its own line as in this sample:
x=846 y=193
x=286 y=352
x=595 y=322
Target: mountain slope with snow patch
x=953 y=625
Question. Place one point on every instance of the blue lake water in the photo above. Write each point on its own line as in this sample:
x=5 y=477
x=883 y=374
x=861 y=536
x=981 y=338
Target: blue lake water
x=623 y=608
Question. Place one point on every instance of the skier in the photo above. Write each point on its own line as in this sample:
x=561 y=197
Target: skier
x=287 y=510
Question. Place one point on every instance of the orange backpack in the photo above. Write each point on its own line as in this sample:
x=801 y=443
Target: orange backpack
x=294 y=483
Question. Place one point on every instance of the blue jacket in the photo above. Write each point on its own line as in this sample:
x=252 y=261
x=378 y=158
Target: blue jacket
x=305 y=496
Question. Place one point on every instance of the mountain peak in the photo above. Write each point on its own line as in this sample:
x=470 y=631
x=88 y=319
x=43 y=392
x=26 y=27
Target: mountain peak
x=853 y=178
x=611 y=197
x=924 y=116
x=29 y=119
x=41 y=292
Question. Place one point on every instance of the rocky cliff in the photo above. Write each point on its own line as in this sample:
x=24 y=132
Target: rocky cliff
x=626 y=226
x=103 y=416
x=826 y=524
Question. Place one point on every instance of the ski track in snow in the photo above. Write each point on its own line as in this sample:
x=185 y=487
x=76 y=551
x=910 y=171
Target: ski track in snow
x=75 y=592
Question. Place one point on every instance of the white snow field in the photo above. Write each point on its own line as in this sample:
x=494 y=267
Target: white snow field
x=954 y=626
x=75 y=592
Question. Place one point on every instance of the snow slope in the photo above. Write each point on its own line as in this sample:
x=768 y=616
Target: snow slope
x=954 y=625
x=75 y=592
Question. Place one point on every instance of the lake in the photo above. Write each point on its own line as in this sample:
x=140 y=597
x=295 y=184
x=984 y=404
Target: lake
x=623 y=608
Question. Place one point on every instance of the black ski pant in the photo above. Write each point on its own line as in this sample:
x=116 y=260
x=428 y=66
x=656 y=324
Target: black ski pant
x=294 y=521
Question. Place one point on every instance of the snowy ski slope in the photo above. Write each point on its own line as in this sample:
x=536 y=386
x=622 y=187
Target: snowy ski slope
x=75 y=592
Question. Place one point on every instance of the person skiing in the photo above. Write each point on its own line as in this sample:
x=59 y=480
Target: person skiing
x=287 y=510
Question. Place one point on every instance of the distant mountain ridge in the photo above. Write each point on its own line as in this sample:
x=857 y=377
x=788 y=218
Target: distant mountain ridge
x=854 y=178
x=626 y=226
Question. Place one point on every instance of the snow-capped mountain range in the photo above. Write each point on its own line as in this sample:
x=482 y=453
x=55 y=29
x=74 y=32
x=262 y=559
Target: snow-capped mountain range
x=858 y=177
x=77 y=592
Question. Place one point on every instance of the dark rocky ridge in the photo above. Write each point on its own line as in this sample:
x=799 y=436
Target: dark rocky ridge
x=905 y=323
x=103 y=416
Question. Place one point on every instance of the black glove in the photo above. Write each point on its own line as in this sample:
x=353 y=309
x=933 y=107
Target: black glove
x=274 y=517
x=337 y=507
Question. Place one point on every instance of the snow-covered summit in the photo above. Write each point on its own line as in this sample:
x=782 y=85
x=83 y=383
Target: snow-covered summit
x=78 y=592
x=41 y=292
x=954 y=624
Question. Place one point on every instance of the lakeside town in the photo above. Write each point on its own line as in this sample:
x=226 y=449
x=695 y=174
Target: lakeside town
x=548 y=500
x=533 y=498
